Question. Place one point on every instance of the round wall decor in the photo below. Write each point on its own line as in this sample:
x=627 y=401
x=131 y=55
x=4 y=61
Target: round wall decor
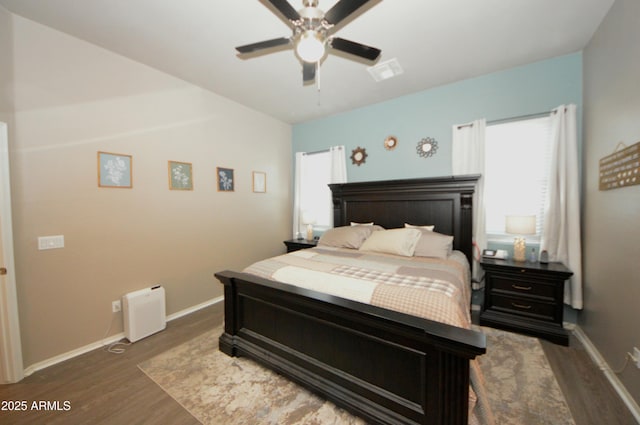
x=358 y=156
x=427 y=147
x=390 y=143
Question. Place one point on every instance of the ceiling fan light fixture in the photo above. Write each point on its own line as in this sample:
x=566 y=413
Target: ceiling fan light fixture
x=310 y=47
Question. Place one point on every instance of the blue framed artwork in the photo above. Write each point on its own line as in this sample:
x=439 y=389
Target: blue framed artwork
x=180 y=176
x=115 y=170
x=225 y=179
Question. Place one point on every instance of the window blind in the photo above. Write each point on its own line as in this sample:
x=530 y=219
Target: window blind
x=315 y=195
x=517 y=160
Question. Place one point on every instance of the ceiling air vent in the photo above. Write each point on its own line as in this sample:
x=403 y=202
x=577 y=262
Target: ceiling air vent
x=385 y=70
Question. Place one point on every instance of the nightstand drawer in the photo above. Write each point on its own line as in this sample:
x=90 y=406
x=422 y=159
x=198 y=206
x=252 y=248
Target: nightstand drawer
x=522 y=287
x=523 y=307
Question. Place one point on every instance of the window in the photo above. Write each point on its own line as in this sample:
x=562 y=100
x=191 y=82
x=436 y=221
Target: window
x=517 y=159
x=315 y=195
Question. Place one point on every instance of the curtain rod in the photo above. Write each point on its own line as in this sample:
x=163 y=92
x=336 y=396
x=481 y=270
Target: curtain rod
x=517 y=118
x=320 y=151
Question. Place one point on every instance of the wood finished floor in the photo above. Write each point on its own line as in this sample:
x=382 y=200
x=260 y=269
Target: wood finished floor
x=105 y=388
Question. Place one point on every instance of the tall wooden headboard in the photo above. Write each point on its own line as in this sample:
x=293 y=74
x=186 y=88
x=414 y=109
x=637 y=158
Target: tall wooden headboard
x=446 y=202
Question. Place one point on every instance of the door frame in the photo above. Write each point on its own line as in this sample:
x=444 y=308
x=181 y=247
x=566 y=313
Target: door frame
x=11 y=365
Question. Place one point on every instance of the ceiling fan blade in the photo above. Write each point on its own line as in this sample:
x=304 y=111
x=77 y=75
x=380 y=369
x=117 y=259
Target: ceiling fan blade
x=286 y=9
x=249 y=48
x=342 y=10
x=308 y=72
x=353 y=48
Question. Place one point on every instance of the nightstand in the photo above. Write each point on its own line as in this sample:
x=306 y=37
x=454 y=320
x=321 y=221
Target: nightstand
x=296 y=244
x=525 y=297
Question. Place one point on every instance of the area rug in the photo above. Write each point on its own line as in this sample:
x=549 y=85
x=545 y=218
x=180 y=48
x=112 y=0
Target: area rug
x=521 y=386
x=217 y=389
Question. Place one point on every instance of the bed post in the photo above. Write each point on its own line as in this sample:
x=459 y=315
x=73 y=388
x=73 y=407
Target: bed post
x=226 y=343
x=466 y=230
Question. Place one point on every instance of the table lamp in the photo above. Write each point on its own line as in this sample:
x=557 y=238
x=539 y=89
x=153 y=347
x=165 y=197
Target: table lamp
x=520 y=225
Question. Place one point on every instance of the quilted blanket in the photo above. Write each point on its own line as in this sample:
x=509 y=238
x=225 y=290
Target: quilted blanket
x=432 y=288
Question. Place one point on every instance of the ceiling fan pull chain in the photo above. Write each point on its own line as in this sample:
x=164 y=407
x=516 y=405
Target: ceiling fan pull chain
x=318 y=83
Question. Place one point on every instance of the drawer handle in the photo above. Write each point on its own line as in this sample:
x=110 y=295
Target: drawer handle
x=524 y=307
x=523 y=288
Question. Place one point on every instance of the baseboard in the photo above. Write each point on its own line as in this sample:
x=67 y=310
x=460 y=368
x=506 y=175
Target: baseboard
x=195 y=308
x=71 y=354
x=109 y=340
x=608 y=373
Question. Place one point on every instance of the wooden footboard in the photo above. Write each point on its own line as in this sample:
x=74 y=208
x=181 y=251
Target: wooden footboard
x=384 y=366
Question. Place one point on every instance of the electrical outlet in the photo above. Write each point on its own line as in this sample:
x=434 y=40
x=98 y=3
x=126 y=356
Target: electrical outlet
x=116 y=306
x=636 y=356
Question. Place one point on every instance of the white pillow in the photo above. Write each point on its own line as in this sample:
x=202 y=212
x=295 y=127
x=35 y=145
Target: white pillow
x=353 y=223
x=394 y=241
x=345 y=236
x=411 y=226
x=434 y=244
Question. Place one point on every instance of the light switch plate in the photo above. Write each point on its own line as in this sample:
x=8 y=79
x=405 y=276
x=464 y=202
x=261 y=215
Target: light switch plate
x=50 y=242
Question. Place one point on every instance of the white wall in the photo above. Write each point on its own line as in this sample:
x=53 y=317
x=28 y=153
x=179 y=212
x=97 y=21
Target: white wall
x=73 y=99
x=6 y=66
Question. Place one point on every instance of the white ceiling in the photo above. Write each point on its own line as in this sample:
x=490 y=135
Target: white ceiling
x=435 y=41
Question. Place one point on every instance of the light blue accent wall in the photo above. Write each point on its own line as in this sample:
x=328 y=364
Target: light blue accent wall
x=530 y=89
x=525 y=90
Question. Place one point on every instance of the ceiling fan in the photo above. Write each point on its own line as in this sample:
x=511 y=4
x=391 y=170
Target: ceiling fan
x=311 y=34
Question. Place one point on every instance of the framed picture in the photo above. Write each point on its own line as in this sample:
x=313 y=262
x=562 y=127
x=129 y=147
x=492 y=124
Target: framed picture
x=180 y=176
x=225 y=179
x=114 y=170
x=259 y=182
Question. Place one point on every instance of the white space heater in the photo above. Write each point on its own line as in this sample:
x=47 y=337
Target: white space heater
x=144 y=312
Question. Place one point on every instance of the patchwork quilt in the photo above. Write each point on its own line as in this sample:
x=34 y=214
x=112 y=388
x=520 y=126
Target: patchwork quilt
x=431 y=288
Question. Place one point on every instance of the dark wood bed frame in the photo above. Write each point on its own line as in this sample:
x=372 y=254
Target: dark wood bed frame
x=384 y=366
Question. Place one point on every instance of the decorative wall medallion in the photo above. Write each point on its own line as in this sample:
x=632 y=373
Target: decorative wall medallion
x=427 y=147
x=358 y=156
x=390 y=143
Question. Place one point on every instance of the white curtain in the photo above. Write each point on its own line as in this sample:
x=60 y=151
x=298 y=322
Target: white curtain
x=338 y=170
x=297 y=190
x=338 y=165
x=561 y=232
x=467 y=157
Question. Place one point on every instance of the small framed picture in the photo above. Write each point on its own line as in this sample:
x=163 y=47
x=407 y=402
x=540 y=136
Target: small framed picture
x=114 y=170
x=259 y=182
x=225 y=179
x=180 y=176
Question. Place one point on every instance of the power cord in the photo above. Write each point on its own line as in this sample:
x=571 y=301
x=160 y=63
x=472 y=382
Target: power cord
x=113 y=347
x=627 y=357
x=119 y=350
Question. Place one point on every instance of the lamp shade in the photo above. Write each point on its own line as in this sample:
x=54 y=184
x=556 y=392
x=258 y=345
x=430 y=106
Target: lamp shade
x=521 y=224
x=310 y=48
x=308 y=217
